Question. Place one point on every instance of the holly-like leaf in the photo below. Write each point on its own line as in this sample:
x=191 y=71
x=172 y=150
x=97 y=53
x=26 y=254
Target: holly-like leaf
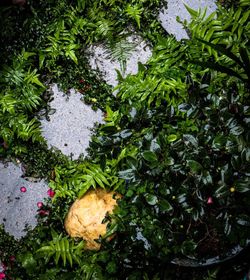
x=165 y=206
x=194 y=165
x=190 y=139
x=149 y=156
x=151 y=199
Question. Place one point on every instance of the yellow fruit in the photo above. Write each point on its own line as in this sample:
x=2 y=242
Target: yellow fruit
x=232 y=189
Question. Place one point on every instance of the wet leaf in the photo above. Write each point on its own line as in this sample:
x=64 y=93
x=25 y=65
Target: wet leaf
x=149 y=156
x=165 y=205
x=172 y=138
x=151 y=199
x=194 y=165
x=237 y=130
x=190 y=139
x=242 y=185
x=127 y=174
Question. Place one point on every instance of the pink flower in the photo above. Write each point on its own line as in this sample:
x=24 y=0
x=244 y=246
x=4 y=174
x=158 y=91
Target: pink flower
x=210 y=200
x=50 y=193
x=43 y=213
x=39 y=204
x=23 y=189
x=2 y=275
x=12 y=258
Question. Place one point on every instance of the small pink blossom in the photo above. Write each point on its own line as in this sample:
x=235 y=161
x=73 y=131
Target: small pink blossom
x=50 y=193
x=39 y=204
x=43 y=213
x=210 y=200
x=2 y=275
x=23 y=189
x=12 y=258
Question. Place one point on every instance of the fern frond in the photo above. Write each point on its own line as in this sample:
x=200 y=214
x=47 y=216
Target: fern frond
x=61 y=248
x=121 y=51
x=105 y=28
x=134 y=12
x=94 y=176
x=8 y=104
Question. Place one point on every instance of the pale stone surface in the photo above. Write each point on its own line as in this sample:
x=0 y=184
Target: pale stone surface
x=86 y=215
x=101 y=60
x=176 y=8
x=69 y=128
x=18 y=209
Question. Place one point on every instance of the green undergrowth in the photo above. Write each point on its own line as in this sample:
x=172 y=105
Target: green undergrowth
x=50 y=38
x=175 y=143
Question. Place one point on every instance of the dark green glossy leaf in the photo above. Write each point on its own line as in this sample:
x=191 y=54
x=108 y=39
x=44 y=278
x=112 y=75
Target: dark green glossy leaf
x=237 y=130
x=243 y=220
x=125 y=133
x=111 y=267
x=111 y=230
x=236 y=162
x=245 y=155
x=227 y=228
x=194 y=165
x=154 y=146
x=242 y=185
x=206 y=178
x=169 y=161
x=219 y=142
x=188 y=247
x=149 y=156
x=151 y=199
x=190 y=139
x=109 y=129
x=221 y=191
x=127 y=174
x=165 y=205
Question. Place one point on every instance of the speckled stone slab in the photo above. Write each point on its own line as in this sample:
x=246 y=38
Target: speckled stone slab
x=100 y=59
x=176 y=8
x=17 y=208
x=69 y=128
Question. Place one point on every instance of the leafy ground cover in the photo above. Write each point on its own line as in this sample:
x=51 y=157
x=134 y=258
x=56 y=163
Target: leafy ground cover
x=175 y=143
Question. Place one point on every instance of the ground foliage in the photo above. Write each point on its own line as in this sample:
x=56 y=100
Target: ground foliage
x=176 y=147
x=50 y=37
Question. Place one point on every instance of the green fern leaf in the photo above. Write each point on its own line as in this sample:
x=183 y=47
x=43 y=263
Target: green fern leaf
x=135 y=13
